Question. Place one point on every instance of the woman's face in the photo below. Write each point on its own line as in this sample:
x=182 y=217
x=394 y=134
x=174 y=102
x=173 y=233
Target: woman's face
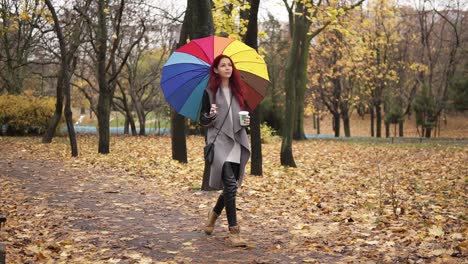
x=224 y=68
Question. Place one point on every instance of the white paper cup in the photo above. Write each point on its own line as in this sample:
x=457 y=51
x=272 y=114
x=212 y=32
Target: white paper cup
x=243 y=117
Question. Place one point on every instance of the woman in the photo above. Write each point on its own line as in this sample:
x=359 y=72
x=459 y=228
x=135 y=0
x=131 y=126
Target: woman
x=222 y=101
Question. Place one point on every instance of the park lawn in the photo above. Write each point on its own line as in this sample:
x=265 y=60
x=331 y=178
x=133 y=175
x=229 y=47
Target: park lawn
x=359 y=200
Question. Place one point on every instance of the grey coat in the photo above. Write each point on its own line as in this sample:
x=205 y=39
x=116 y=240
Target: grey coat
x=225 y=141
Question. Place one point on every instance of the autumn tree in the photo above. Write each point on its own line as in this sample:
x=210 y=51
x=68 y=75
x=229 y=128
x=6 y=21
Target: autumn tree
x=251 y=39
x=239 y=19
x=68 y=45
x=138 y=84
x=441 y=44
x=274 y=45
x=336 y=70
x=198 y=23
x=231 y=18
x=105 y=21
x=19 y=37
x=307 y=19
x=381 y=39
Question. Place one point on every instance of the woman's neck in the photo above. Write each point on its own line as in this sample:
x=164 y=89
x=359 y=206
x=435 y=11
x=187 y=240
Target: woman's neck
x=225 y=82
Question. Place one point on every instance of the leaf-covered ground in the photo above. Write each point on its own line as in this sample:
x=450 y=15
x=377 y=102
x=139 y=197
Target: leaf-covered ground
x=347 y=202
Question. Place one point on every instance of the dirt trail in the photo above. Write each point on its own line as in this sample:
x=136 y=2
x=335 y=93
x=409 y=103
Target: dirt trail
x=78 y=216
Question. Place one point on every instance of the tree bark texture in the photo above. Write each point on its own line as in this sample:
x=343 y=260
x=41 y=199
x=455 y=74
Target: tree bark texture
x=401 y=128
x=336 y=123
x=63 y=85
x=378 y=120
x=387 y=129
x=105 y=95
x=318 y=124
x=255 y=135
x=198 y=23
x=346 y=124
x=178 y=129
x=291 y=84
x=107 y=71
x=55 y=120
x=301 y=85
x=179 y=148
x=103 y=116
x=129 y=121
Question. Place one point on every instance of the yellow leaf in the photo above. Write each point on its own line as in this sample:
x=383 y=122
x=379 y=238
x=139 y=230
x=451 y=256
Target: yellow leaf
x=436 y=231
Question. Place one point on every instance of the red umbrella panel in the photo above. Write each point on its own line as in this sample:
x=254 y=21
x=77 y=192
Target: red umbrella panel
x=185 y=74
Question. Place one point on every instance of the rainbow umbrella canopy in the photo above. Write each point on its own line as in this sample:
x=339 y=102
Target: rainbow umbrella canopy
x=185 y=74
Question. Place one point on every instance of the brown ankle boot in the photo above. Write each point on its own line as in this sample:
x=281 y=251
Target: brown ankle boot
x=235 y=237
x=212 y=216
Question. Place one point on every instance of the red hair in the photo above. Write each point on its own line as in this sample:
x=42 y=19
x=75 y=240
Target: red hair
x=235 y=82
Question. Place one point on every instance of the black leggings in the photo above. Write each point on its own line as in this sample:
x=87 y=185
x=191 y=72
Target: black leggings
x=230 y=176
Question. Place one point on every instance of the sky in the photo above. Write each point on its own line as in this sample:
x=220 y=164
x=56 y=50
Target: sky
x=275 y=7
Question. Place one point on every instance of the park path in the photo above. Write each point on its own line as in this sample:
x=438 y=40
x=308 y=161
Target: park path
x=93 y=215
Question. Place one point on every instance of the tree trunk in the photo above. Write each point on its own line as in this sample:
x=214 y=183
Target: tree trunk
x=401 y=128
x=314 y=120
x=138 y=109
x=142 y=128
x=142 y=121
x=103 y=117
x=198 y=23
x=63 y=85
x=132 y=125
x=346 y=124
x=318 y=124
x=54 y=122
x=256 y=142
x=344 y=113
x=294 y=78
x=336 y=124
x=178 y=141
x=378 y=115
x=428 y=132
x=126 y=125
x=129 y=121
x=387 y=130
x=255 y=135
x=301 y=84
x=286 y=155
x=105 y=96
x=69 y=119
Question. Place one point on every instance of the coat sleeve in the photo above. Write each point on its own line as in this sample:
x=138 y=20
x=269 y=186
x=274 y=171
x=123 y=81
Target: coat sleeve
x=205 y=119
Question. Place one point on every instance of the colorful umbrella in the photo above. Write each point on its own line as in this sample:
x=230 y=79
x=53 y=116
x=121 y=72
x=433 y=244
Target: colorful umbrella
x=185 y=75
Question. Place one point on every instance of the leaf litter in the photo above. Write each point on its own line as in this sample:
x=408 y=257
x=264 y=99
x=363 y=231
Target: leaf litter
x=345 y=202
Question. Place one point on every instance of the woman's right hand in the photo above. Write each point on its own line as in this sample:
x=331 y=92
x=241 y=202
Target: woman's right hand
x=213 y=111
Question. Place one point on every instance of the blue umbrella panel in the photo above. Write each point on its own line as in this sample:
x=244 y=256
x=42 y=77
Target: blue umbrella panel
x=184 y=78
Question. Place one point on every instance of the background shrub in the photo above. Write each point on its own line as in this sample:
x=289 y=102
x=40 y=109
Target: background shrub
x=25 y=115
x=268 y=134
